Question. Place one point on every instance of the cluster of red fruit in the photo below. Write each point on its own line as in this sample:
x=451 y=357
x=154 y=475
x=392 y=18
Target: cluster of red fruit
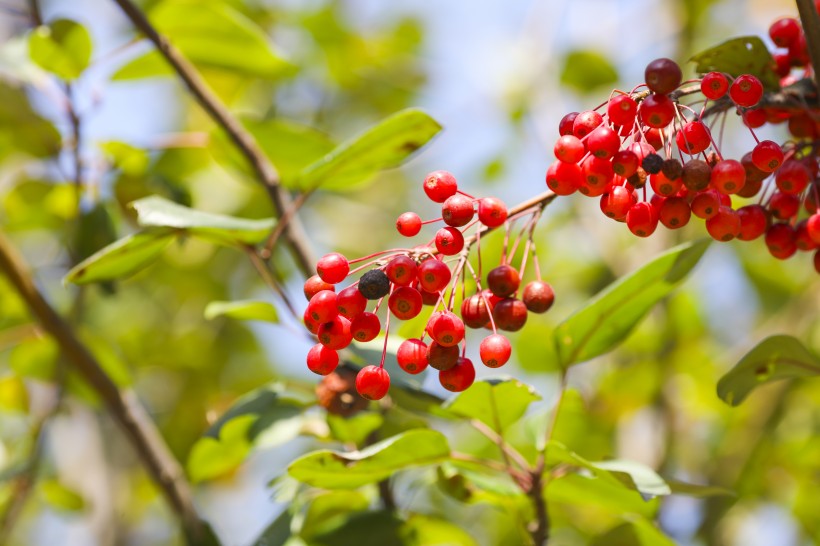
x=648 y=137
x=413 y=277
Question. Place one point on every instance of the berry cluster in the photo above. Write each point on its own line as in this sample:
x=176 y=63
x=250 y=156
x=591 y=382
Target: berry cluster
x=429 y=274
x=648 y=137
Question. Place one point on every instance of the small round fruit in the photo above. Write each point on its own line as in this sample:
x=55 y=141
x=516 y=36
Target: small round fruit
x=663 y=75
x=332 y=268
x=510 y=314
x=642 y=219
x=459 y=377
x=457 y=210
x=412 y=356
x=746 y=90
x=439 y=185
x=433 y=275
x=350 y=302
x=474 y=311
x=495 y=350
x=714 y=85
x=408 y=224
x=405 y=302
x=538 y=296
x=374 y=284
x=322 y=307
x=372 y=382
x=492 y=212
x=321 y=360
x=725 y=225
x=440 y=357
x=401 y=270
x=314 y=285
x=365 y=327
x=335 y=334
x=445 y=328
x=503 y=280
x=449 y=241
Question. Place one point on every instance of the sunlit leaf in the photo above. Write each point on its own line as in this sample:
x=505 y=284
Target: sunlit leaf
x=743 y=55
x=497 y=403
x=122 y=258
x=13 y=394
x=129 y=159
x=267 y=406
x=195 y=27
x=385 y=145
x=637 y=476
x=290 y=146
x=637 y=532
x=697 y=490
x=346 y=470
x=329 y=510
x=242 y=310
x=356 y=428
x=774 y=358
x=212 y=458
x=586 y=70
x=382 y=528
x=22 y=129
x=607 y=319
x=62 y=47
x=60 y=496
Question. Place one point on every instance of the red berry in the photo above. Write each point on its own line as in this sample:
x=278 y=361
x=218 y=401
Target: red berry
x=792 y=177
x=566 y=124
x=622 y=110
x=335 y=334
x=813 y=227
x=332 y=268
x=350 y=302
x=474 y=311
x=603 y=142
x=322 y=306
x=457 y=210
x=372 y=382
x=445 y=328
x=784 y=206
x=693 y=138
x=427 y=298
x=785 y=31
x=405 y=302
x=433 y=275
x=449 y=241
x=802 y=238
x=755 y=118
x=510 y=314
x=705 y=204
x=657 y=111
x=441 y=357
x=440 y=185
x=642 y=219
x=753 y=222
x=617 y=202
x=675 y=212
x=625 y=163
x=725 y=225
x=311 y=325
x=564 y=178
x=767 y=156
x=503 y=280
x=569 y=149
x=321 y=360
x=412 y=356
x=746 y=90
x=664 y=186
x=728 y=176
x=538 y=296
x=598 y=174
x=714 y=85
x=314 y=285
x=459 y=377
x=663 y=75
x=408 y=224
x=780 y=240
x=585 y=123
x=365 y=327
x=492 y=212
x=401 y=270
x=495 y=350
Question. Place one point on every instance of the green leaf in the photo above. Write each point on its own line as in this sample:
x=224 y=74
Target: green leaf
x=213 y=458
x=385 y=145
x=585 y=491
x=129 y=159
x=743 y=55
x=60 y=496
x=269 y=406
x=607 y=319
x=155 y=211
x=22 y=129
x=697 y=490
x=290 y=146
x=774 y=358
x=62 y=47
x=354 y=429
x=586 y=70
x=636 y=476
x=347 y=470
x=121 y=258
x=498 y=403
x=637 y=532
x=242 y=310
x=383 y=528
x=329 y=510
x=13 y=394
x=212 y=35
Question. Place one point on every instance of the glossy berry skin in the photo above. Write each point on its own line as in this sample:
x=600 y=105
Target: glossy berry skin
x=566 y=123
x=311 y=325
x=625 y=163
x=372 y=382
x=728 y=176
x=780 y=240
x=714 y=85
x=350 y=302
x=321 y=360
x=405 y=302
x=474 y=312
x=622 y=110
x=445 y=328
x=753 y=222
x=767 y=156
x=617 y=202
x=603 y=142
x=492 y=212
x=642 y=219
x=663 y=75
x=693 y=138
x=449 y=241
x=705 y=204
x=459 y=377
x=408 y=224
x=401 y=270
x=439 y=185
x=510 y=314
x=746 y=90
x=457 y=210
x=675 y=212
x=433 y=275
x=440 y=357
x=374 y=284
x=322 y=306
x=412 y=356
x=335 y=334
x=792 y=177
x=332 y=268
x=663 y=186
x=564 y=178
x=813 y=227
x=598 y=174
x=314 y=285
x=538 y=296
x=802 y=238
x=785 y=31
x=495 y=350
x=569 y=148
x=365 y=327
x=725 y=225
x=585 y=123
x=657 y=111
x=503 y=280
x=784 y=206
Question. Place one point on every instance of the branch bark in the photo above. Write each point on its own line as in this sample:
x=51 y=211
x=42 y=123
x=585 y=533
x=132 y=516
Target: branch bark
x=262 y=167
x=123 y=405
x=811 y=28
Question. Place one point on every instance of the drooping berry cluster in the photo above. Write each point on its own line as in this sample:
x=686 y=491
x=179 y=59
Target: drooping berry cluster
x=648 y=137
x=431 y=275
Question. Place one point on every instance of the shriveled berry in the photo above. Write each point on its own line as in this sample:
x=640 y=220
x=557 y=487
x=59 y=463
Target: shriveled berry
x=372 y=382
x=652 y=163
x=672 y=168
x=412 y=356
x=439 y=185
x=374 y=284
x=459 y=377
x=332 y=268
x=365 y=327
x=321 y=360
x=315 y=284
x=494 y=350
x=492 y=212
x=408 y=224
x=696 y=175
x=538 y=296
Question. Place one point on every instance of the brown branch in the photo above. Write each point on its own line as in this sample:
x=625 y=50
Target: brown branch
x=811 y=28
x=123 y=405
x=262 y=167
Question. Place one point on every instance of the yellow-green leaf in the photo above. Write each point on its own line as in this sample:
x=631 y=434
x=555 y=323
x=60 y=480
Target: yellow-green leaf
x=62 y=47
x=242 y=310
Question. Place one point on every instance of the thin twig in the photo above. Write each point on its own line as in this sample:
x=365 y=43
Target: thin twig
x=811 y=29
x=262 y=167
x=76 y=141
x=123 y=405
x=508 y=451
